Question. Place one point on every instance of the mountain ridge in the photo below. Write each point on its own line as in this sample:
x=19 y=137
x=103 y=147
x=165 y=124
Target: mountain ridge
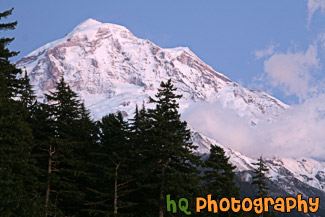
x=113 y=56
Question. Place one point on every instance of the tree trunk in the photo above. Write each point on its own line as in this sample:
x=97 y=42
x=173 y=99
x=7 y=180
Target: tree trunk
x=162 y=190
x=49 y=171
x=115 y=189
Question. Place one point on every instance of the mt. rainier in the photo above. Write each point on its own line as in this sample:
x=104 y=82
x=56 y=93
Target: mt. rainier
x=106 y=61
x=112 y=70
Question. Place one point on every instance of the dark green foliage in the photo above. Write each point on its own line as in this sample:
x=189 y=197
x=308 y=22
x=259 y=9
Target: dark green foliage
x=19 y=195
x=218 y=178
x=9 y=84
x=259 y=179
x=219 y=174
x=71 y=134
x=17 y=173
x=112 y=159
x=169 y=152
x=143 y=166
x=27 y=96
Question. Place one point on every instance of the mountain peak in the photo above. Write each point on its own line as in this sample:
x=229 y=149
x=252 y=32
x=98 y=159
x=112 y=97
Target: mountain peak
x=88 y=23
x=94 y=24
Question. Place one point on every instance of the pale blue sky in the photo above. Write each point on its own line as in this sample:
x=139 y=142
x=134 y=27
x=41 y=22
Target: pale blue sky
x=223 y=33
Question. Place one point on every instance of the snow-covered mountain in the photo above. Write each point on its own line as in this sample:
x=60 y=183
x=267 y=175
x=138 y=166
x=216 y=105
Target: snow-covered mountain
x=282 y=170
x=113 y=70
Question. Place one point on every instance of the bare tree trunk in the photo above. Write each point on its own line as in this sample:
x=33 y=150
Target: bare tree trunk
x=49 y=171
x=116 y=189
x=162 y=190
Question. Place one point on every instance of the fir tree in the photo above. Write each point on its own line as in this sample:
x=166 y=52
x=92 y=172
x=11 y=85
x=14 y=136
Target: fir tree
x=65 y=151
x=88 y=139
x=219 y=177
x=17 y=167
x=170 y=152
x=27 y=95
x=9 y=84
x=112 y=160
x=259 y=180
x=144 y=166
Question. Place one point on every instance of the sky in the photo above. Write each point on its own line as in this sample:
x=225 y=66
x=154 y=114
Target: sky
x=251 y=42
x=277 y=46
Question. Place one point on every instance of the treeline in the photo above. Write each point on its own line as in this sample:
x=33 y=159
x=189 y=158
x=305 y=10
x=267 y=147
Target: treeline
x=56 y=161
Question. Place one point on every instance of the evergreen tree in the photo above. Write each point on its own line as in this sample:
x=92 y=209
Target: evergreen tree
x=170 y=153
x=219 y=177
x=17 y=167
x=87 y=128
x=66 y=152
x=112 y=160
x=9 y=84
x=27 y=95
x=144 y=166
x=88 y=137
x=259 y=180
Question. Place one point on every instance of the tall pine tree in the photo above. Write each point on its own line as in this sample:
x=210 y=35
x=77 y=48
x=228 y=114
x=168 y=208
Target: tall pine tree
x=219 y=177
x=66 y=149
x=112 y=177
x=27 y=95
x=145 y=165
x=259 y=180
x=171 y=152
x=19 y=195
